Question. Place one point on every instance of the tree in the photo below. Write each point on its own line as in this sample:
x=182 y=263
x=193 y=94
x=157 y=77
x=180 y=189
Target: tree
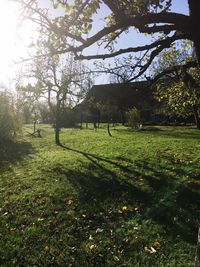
x=44 y=112
x=75 y=30
x=179 y=100
x=133 y=118
x=27 y=101
x=120 y=71
x=9 y=116
x=178 y=89
x=61 y=84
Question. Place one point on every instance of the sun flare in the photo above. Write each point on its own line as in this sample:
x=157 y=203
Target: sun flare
x=8 y=36
x=13 y=44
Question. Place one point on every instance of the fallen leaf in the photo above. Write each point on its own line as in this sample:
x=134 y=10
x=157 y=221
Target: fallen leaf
x=69 y=201
x=13 y=229
x=90 y=237
x=124 y=208
x=92 y=246
x=46 y=248
x=99 y=230
x=116 y=258
x=150 y=250
x=40 y=219
x=157 y=245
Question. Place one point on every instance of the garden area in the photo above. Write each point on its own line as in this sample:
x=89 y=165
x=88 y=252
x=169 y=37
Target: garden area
x=132 y=199
x=100 y=133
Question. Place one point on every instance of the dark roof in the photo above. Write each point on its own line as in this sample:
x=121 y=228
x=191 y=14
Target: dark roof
x=138 y=84
x=124 y=95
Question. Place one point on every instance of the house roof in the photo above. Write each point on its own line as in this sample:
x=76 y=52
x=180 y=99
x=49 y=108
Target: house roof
x=124 y=95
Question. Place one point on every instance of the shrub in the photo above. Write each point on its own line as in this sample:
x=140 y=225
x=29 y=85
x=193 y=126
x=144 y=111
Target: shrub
x=9 y=123
x=133 y=118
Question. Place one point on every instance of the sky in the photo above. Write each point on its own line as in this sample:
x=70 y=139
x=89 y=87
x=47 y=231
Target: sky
x=15 y=41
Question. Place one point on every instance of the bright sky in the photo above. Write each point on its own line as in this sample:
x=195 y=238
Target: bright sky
x=14 y=43
x=8 y=37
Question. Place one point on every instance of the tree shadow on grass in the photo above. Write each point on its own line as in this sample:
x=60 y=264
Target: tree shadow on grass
x=183 y=134
x=11 y=152
x=188 y=133
x=159 y=192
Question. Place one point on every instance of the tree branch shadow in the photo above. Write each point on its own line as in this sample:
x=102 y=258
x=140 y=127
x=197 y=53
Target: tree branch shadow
x=162 y=197
x=11 y=152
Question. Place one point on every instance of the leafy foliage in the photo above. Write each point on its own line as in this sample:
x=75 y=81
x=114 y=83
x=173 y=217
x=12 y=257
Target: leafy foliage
x=75 y=29
x=63 y=85
x=178 y=98
x=9 y=117
x=133 y=118
x=177 y=94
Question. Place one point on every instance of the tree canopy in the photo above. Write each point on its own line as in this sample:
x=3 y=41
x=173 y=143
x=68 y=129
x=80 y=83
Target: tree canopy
x=73 y=29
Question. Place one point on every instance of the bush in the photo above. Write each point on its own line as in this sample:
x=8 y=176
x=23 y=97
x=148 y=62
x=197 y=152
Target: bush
x=133 y=118
x=8 y=118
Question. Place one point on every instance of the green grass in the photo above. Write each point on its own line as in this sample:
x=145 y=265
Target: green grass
x=130 y=200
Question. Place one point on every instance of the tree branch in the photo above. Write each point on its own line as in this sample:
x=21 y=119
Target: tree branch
x=133 y=49
x=188 y=65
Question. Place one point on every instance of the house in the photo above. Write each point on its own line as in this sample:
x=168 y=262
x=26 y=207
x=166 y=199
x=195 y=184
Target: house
x=119 y=98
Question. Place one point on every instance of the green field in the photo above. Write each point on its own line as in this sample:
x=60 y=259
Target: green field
x=128 y=200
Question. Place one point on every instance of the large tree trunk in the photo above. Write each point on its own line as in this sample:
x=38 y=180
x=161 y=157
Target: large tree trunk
x=194 y=8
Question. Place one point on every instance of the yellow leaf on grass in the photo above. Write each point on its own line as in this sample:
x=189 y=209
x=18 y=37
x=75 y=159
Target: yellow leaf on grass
x=46 y=248
x=69 y=201
x=150 y=250
x=92 y=246
x=40 y=219
x=13 y=229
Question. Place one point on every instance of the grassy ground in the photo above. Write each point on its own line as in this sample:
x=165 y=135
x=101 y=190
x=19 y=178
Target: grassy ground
x=128 y=200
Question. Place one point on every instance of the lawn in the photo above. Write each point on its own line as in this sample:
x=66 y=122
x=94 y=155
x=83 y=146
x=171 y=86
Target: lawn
x=128 y=200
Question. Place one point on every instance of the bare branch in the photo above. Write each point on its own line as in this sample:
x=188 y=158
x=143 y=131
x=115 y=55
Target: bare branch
x=134 y=49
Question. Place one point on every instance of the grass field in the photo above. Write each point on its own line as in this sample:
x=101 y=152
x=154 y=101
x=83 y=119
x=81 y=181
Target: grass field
x=128 y=200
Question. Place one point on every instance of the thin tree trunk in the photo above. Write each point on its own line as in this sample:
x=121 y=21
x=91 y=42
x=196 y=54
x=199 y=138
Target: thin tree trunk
x=196 y=117
x=95 y=125
x=81 y=121
x=57 y=121
x=57 y=133
x=108 y=129
x=34 y=124
x=122 y=117
x=197 y=258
